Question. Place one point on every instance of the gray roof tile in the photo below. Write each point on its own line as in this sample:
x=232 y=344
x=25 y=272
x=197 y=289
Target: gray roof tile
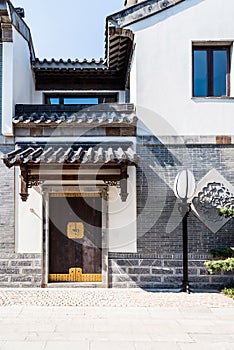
x=76 y=153
x=68 y=64
x=101 y=115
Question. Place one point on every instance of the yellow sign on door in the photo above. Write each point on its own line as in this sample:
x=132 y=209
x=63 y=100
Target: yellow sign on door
x=75 y=230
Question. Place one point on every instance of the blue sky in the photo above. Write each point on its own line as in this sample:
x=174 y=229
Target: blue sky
x=68 y=29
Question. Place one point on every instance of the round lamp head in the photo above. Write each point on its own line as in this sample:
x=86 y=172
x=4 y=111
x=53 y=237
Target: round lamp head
x=184 y=185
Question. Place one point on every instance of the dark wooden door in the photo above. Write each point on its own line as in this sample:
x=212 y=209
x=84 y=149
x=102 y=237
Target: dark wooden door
x=81 y=215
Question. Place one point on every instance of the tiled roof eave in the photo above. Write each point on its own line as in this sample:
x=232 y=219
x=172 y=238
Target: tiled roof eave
x=73 y=155
x=68 y=65
x=102 y=115
x=140 y=11
x=124 y=39
x=71 y=123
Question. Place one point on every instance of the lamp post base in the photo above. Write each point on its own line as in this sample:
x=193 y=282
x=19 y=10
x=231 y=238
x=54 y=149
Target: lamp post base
x=185 y=288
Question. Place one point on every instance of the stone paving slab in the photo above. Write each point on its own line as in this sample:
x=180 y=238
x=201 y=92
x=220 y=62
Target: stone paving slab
x=167 y=321
x=206 y=346
x=73 y=345
x=16 y=345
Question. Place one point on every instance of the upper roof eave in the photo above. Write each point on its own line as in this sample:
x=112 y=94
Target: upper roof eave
x=76 y=64
x=68 y=64
x=140 y=11
x=20 y=26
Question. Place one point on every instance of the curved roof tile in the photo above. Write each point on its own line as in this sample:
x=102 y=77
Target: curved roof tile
x=104 y=115
x=76 y=153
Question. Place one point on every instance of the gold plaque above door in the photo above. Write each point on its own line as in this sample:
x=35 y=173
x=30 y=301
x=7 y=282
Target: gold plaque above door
x=75 y=230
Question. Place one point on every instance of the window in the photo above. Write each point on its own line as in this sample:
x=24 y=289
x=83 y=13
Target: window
x=80 y=99
x=211 y=66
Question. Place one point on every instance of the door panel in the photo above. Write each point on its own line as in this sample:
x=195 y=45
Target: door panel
x=75 y=236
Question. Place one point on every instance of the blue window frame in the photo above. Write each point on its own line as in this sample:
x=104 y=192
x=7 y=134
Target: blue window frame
x=211 y=70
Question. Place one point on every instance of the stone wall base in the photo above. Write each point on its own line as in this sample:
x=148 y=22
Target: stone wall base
x=163 y=273
x=24 y=270
x=20 y=270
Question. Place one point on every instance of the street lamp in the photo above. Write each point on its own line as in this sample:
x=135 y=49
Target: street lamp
x=184 y=188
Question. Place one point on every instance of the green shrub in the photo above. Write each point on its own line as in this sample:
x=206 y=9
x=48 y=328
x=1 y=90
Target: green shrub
x=227 y=213
x=229 y=292
x=218 y=266
x=227 y=254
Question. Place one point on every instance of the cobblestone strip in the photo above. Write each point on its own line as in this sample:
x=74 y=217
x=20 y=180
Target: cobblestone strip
x=110 y=298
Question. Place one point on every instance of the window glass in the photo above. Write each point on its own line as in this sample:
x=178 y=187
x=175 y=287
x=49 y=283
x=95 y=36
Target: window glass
x=219 y=72
x=211 y=66
x=80 y=101
x=200 y=79
x=54 y=100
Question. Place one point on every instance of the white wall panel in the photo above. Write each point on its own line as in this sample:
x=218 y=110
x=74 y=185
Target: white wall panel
x=163 y=71
x=122 y=217
x=7 y=88
x=28 y=220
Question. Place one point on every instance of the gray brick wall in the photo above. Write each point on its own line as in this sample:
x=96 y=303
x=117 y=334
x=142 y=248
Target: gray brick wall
x=0 y=89
x=158 y=261
x=16 y=270
x=20 y=270
x=158 y=166
x=162 y=272
x=7 y=207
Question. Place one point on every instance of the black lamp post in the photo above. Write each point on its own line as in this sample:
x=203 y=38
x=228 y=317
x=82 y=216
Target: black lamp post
x=184 y=188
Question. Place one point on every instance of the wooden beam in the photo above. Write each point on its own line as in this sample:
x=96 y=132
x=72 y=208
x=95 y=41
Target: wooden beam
x=73 y=177
x=79 y=82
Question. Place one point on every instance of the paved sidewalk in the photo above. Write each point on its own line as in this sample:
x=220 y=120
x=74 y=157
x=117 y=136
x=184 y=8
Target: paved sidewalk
x=48 y=320
x=118 y=297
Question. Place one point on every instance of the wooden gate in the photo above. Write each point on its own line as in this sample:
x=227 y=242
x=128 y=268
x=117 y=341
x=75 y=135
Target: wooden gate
x=75 y=237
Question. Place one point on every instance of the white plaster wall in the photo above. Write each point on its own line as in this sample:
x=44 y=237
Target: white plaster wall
x=38 y=98
x=163 y=71
x=23 y=80
x=18 y=81
x=7 y=88
x=122 y=217
x=28 y=220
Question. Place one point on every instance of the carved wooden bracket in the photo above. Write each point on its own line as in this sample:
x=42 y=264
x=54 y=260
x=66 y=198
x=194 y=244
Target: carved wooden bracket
x=123 y=183
x=24 y=189
x=29 y=180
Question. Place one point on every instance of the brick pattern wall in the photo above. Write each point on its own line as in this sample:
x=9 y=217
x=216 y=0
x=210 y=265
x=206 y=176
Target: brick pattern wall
x=20 y=270
x=7 y=206
x=163 y=272
x=158 y=262
x=156 y=202
x=16 y=270
x=0 y=89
